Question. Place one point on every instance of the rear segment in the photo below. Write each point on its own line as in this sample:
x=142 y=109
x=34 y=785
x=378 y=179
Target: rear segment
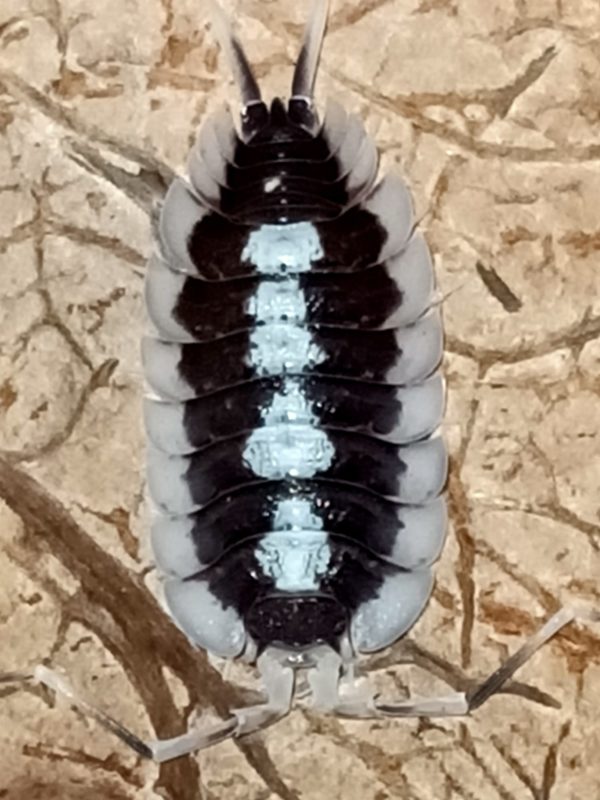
x=292 y=454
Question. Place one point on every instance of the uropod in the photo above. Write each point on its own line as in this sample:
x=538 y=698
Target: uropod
x=295 y=396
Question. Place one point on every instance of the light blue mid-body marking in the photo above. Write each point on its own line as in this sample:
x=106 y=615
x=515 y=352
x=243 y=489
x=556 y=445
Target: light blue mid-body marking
x=277 y=249
x=296 y=554
x=290 y=443
x=295 y=560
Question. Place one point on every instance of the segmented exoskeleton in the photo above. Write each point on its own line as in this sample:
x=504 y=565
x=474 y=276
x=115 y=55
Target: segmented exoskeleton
x=295 y=395
x=294 y=366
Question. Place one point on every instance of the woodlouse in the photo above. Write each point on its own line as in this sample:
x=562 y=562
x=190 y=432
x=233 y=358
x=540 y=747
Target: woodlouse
x=294 y=458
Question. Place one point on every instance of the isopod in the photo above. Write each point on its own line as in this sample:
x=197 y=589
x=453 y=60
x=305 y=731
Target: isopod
x=295 y=397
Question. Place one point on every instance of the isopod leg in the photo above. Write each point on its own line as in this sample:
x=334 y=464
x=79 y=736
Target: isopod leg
x=462 y=703
x=158 y=750
x=278 y=680
x=479 y=694
x=192 y=741
x=279 y=686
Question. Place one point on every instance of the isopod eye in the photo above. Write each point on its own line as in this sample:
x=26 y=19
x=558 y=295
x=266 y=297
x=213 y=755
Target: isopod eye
x=254 y=119
x=301 y=112
x=296 y=621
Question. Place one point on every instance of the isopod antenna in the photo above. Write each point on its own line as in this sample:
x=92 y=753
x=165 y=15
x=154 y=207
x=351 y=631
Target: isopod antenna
x=305 y=73
x=238 y=61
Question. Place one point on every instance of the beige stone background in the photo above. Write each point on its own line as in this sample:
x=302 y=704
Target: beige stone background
x=491 y=110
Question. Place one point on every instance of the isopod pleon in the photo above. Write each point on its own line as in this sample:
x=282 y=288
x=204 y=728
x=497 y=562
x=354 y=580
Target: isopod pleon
x=295 y=396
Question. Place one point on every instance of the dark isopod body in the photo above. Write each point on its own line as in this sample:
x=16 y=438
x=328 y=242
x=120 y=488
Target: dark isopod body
x=294 y=367
x=295 y=397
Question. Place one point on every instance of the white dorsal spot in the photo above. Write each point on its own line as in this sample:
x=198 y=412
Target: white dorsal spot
x=295 y=451
x=281 y=348
x=289 y=444
x=271 y=184
x=296 y=514
x=277 y=301
x=295 y=560
x=276 y=249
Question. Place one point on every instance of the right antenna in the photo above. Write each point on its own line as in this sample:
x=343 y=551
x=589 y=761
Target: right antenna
x=305 y=73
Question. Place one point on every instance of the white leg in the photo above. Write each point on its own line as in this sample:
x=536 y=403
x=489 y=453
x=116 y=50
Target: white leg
x=324 y=678
x=451 y=705
x=331 y=678
x=192 y=741
x=279 y=684
x=157 y=750
x=278 y=679
x=462 y=703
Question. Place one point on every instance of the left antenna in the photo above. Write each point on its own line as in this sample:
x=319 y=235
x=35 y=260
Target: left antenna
x=234 y=52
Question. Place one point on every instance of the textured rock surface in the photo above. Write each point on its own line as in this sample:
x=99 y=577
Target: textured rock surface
x=490 y=108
